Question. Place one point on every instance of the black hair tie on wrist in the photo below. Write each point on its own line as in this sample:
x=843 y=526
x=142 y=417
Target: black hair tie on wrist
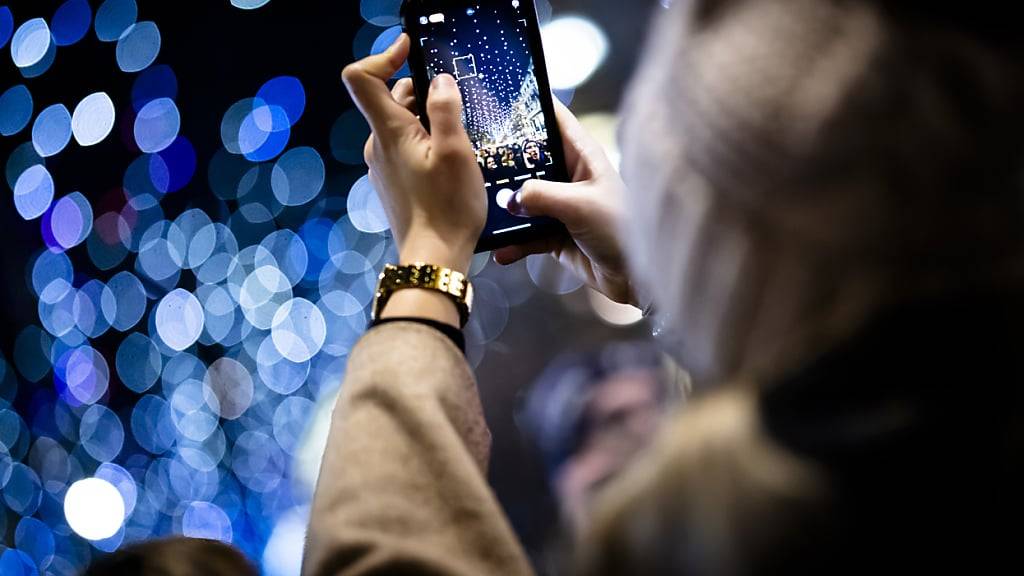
x=453 y=333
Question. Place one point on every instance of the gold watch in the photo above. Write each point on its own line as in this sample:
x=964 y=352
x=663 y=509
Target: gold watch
x=449 y=282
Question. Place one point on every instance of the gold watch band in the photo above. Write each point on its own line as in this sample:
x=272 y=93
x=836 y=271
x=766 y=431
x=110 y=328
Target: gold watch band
x=449 y=282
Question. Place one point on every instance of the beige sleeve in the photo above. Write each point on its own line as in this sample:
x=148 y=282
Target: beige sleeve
x=402 y=487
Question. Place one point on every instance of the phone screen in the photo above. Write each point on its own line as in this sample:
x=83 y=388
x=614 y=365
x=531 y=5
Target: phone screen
x=492 y=48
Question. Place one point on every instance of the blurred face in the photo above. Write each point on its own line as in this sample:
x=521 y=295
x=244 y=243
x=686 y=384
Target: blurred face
x=624 y=414
x=533 y=151
x=491 y=163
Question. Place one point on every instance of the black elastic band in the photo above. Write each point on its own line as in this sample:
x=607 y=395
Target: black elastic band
x=453 y=333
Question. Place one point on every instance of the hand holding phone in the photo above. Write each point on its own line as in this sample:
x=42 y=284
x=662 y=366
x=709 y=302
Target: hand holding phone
x=429 y=183
x=493 y=49
x=590 y=207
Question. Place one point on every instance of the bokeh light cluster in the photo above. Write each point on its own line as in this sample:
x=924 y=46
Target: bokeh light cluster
x=183 y=366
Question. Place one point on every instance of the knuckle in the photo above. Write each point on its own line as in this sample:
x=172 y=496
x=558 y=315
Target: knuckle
x=445 y=151
x=351 y=73
x=530 y=188
x=449 y=151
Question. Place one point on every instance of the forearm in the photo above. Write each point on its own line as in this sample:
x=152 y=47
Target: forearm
x=402 y=482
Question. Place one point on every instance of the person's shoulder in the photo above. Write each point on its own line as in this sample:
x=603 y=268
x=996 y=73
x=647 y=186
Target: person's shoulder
x=718 y=439
x=713 y=474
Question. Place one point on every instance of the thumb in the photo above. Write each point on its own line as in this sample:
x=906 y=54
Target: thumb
x=444 y=110
x=557 y=200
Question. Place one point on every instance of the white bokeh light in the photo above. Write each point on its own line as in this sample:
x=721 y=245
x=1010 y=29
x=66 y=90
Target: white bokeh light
x=94 y=509
x=93 y=119
x=179 y=319
x=575 y=48
x=298 y=330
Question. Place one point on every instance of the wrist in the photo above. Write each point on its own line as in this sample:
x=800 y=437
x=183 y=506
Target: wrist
x=430 y=248
x=422 y=303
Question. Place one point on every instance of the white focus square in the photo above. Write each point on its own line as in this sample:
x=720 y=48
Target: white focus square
x=465 y=67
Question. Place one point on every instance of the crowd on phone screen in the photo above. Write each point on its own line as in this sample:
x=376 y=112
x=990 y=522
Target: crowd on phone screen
x=506 y=160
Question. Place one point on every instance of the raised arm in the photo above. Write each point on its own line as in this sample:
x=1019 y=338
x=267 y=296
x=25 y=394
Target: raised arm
x=402 y=487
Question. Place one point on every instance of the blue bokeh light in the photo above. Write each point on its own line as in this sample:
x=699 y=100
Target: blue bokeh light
x=138 y=47
x=151 y=425
x=94 y=308
x=16 y=107
x=287 y=93
x=381 y=12
x=249 y=4
x=289 y=422
x=101 y=433
x=365 y=208
x=258 y=462
x=231 y=126
x=43 y=65
x=172 y=168
x=363 y=41
x=36 y=540
x=31 y=41
x=157 y=125
x=154 y=83
x=131 y=300
x=52 y=130
x=285 y=250
x=278 y=373
x=6 y=25
x=31 y=355
x=105 y=245
x=206 y=520
x=48 y=268
x=71 y=220
x=84 y=373
x=14 y=562
x=114 y=17
x=264 y=132
x=22 y=158
x=183 y=356
x=298 y=176
x=33 y=192
x=23 y=491
x=348 y=138
x=121 y=479
x=71 y=22
x=138 y=362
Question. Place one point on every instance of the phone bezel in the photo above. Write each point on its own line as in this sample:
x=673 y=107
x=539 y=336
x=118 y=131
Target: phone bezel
x=410 y=13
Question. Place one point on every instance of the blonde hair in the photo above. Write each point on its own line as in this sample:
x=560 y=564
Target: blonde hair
x=797 y=165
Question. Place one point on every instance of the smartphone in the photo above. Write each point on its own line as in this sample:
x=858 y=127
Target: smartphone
x=493 y=49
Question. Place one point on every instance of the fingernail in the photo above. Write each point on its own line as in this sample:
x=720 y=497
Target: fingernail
x=515 y=204
x=394 y=45
x=444 y=81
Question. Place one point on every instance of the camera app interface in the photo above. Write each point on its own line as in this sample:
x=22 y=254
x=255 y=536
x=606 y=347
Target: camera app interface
x=486 y=48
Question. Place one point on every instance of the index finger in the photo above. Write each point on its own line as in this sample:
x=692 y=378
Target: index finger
x=366 y=81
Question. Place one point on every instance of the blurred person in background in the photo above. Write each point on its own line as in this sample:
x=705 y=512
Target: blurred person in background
x=825 y=204
x=174 y=557
x=590 y=414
